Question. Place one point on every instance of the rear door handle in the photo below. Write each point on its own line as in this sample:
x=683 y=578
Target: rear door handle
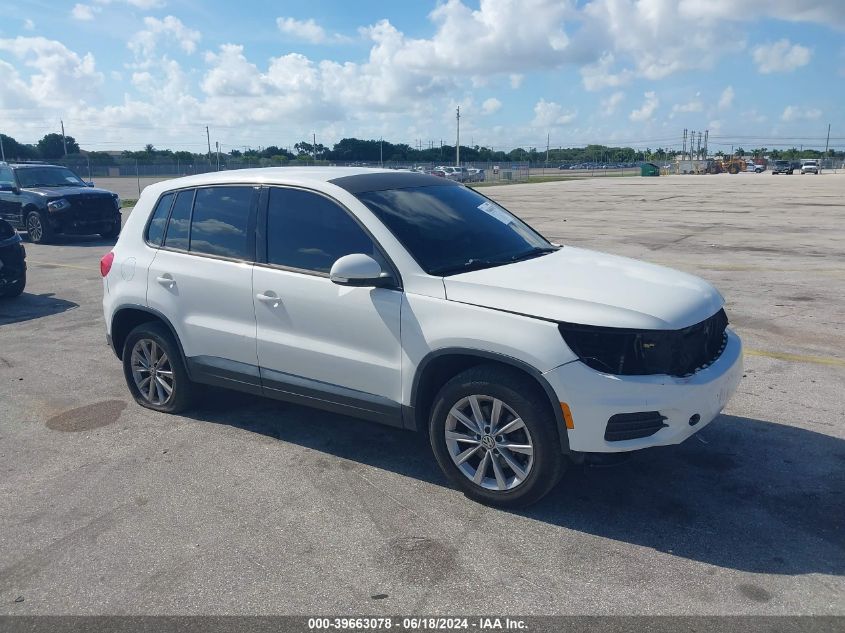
x=268 y=297
x=166 y=280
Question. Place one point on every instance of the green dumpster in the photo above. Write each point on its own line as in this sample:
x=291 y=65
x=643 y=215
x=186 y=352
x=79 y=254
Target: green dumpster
x=649 y=169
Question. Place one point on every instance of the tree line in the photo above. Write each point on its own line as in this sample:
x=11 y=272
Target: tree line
x=347 y=150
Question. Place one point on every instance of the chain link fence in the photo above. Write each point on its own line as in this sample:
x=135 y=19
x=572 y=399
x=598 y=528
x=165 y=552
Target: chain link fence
x=89 y=169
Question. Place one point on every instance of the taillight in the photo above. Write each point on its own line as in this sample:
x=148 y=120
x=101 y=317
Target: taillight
x=105 y=263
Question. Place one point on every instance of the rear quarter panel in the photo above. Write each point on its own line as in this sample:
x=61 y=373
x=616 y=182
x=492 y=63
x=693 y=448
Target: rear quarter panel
x=126 y=283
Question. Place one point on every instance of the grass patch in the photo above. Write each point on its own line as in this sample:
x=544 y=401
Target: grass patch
x=129 y=202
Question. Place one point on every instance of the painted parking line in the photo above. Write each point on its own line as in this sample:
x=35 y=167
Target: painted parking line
x=797 y=358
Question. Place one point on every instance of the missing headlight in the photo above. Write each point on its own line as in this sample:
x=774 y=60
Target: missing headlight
x=644 y=352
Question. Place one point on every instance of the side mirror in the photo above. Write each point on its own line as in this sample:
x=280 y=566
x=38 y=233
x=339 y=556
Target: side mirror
x=89 y=184
x=358 y=270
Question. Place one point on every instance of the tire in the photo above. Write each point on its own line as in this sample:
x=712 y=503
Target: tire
x=113 y=232
x=146 y=341
x=478 y=389
x=37 y=229
x=17 y=290
x=733 y=169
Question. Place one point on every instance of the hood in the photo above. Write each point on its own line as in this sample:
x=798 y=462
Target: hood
x=590 y=288
x=67 y=192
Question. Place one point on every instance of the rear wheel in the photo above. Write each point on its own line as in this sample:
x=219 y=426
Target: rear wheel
x=494 y=438
x=37 y=228
x=154 y=370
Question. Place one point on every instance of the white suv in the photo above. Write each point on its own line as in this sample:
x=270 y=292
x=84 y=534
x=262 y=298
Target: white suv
x=413 y=301
x=810 y=167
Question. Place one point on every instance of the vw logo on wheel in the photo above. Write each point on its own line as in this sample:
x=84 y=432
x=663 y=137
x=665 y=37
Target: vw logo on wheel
x=488 y=442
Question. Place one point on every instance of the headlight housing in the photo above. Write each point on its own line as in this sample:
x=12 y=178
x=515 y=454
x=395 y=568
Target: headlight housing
x=645 y=352
x=58 y=205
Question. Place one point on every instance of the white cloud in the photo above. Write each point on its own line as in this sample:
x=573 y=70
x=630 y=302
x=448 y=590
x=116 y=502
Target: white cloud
x=84 y=12
x=550 y=114
x=726 y=100
x=609 y=105
x=645 y=112
x=780 y=56
x=57 y=71
x=28 y=25
x=690 y=106
x=145 y=5
x=797 y=113
x=516 y=80
x=144 y=42
x=491 y=106
x=601 y=74
x=307 y=30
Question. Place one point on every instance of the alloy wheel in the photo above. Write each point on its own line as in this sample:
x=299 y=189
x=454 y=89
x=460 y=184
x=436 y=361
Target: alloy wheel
x=152 y=372
x=489 y=443
x=34 y=228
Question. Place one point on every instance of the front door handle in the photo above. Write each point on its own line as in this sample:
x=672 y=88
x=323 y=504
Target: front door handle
x=166 y=280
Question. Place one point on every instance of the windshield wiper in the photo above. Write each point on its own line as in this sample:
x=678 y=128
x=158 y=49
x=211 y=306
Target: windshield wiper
x=481 y=263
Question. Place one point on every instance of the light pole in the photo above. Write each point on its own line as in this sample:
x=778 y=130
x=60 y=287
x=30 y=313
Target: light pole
x=458 y=144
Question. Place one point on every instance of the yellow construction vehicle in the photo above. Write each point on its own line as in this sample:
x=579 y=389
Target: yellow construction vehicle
x=730 y=164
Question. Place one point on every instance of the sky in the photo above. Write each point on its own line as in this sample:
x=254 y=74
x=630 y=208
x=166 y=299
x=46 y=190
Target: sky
x=124 y=73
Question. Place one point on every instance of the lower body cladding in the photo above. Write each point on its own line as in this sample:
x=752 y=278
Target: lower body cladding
x=611 y=414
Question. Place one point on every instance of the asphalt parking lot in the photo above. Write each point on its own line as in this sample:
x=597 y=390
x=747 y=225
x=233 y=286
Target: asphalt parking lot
x=247 y=506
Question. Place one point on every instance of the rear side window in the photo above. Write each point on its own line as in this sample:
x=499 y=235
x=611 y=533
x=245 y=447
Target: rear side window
x=310 y=232
x=155 y=232
x=221 y=220
x=178 y=229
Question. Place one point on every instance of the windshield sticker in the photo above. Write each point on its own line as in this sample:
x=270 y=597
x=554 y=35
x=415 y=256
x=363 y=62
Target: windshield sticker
x=493 y=209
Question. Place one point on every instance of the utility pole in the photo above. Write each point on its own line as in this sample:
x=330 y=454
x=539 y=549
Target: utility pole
x=2 y=151
x=548 y=135
x=64 y=141
x=217 y=146
x=458 y=145
x=380 y=153
x=827 y=142
x=314 y=147
x=208 y=138
x=441 y=150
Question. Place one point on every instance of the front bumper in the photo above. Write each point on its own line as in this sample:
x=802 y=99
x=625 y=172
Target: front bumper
x=593 y=397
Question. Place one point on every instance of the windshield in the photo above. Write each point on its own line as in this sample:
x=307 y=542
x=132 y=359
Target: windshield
x=48 y=177
x=450 y=230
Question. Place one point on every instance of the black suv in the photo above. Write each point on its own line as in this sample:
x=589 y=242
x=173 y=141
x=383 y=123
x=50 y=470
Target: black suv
x=12 y=261
x=44 y=200
x=782 y=167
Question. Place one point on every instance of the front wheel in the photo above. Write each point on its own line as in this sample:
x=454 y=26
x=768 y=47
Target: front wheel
x=37 y=229
x=17 y=290
x=494 y=438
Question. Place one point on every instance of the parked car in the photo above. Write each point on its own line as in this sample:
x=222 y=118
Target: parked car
x=416 y=302
x=754 y=169
x=796 y=165
x=810 y=167
x=45 y=200
x=12 y=261
x=475 y=174
x=782 y=167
